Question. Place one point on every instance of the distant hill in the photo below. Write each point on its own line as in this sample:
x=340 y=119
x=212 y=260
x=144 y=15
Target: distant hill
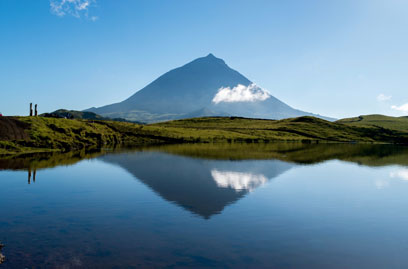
x=206 y=86
x=85 y=115
x=72 y=114
x=381 y=121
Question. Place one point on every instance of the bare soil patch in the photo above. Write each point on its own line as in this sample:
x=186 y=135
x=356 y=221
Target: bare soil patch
x=11 y=129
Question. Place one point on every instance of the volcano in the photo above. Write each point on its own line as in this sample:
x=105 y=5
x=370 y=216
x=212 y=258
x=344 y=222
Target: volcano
x=206 y=86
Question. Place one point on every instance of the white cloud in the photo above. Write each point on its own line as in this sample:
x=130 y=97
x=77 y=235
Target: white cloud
x=401 y=174
x=402 y=108
x=237 y=180
x=76 y=8
x=241 y=93
x=382 y=97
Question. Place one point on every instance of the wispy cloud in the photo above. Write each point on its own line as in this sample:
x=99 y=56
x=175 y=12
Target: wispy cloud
x=402 y=108
x=76 y=8
x=241 y=93
x=382 y=97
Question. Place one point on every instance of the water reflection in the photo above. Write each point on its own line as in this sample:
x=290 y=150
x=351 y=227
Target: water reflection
x=257 y=206
x=400 y=174
x=2 y=257
x=363 y=154
x=298 y=153
x=201 y=186
x=237 y=180
x=205 y=178
x=29 y=175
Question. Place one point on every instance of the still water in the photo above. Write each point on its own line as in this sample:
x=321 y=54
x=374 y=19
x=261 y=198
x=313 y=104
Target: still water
x=208 y=206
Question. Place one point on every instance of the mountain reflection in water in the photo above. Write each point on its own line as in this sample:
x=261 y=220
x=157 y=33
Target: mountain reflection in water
x=201 y=186
x=205 y=178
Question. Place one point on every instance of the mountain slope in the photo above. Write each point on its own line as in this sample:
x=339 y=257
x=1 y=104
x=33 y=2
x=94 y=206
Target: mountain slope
x=197 y=86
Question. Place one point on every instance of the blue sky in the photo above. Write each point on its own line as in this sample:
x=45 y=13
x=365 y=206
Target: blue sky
x=336 y=58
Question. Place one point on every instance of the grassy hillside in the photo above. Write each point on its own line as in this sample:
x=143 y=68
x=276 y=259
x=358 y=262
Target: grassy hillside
x=378 y=121
x=41 y=134
x=294 y=129
x=33 y=134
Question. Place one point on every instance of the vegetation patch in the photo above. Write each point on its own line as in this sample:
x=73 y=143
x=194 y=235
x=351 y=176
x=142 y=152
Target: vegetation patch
x=42 y=134
x=378 y=121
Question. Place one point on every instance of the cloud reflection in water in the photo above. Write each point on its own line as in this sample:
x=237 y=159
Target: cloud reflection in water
x=400 y=174
x=237 y=180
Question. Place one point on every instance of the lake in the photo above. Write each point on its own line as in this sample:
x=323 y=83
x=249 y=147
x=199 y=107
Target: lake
x=208 y=206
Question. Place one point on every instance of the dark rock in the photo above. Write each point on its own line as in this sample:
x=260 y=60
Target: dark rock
x=2 y=257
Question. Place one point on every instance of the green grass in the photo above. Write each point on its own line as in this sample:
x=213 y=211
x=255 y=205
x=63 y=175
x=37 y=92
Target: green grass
x=378 y=121
x=294 y=129
x=52 y=134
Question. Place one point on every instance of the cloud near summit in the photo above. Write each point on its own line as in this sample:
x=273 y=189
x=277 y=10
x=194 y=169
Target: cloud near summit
x=76 y=8
x=241 y=93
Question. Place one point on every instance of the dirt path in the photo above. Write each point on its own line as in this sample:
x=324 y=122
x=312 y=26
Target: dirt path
x=13 y=129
